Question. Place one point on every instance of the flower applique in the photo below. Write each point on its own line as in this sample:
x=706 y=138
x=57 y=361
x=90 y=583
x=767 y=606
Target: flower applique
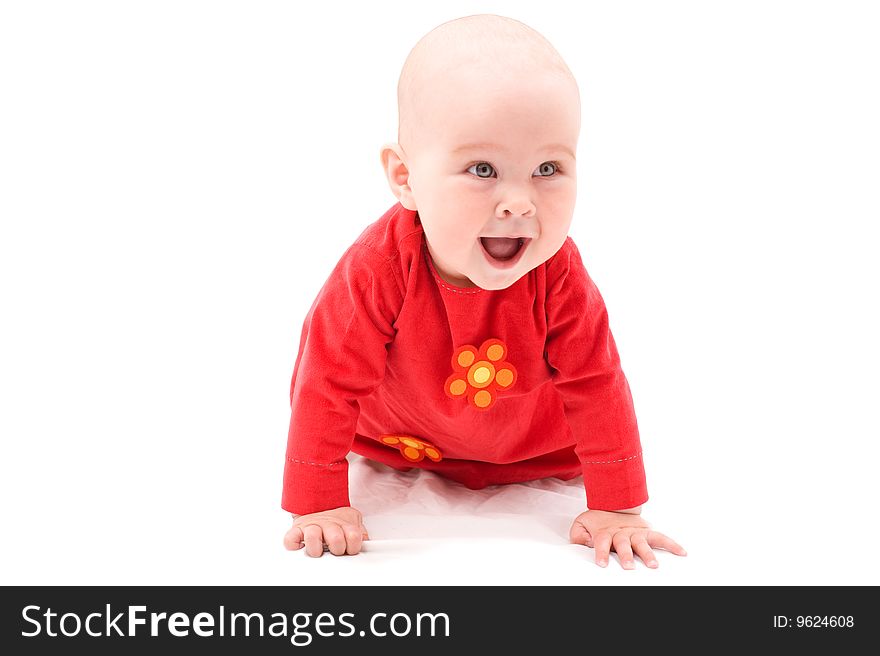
x=480 y=373
x=411 y=448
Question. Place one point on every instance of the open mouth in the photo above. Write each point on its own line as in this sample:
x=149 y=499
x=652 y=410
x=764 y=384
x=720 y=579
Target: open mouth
x=504 y=252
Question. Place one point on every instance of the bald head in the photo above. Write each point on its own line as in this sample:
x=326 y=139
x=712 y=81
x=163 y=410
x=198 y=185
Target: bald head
x=468 y=54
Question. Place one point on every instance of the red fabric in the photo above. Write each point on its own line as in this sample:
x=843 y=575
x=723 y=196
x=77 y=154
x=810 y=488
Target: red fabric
x=376 y=357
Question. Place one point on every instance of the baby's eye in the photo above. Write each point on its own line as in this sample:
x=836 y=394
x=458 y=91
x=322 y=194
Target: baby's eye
x=547 y=169
x=482 y=170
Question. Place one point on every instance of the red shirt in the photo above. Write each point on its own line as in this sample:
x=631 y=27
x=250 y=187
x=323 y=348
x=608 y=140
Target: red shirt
x=483 y=387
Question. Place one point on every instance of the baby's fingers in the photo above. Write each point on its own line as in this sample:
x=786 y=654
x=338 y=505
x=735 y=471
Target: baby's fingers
x=334 y=538
x=354 y=538
x=338 y=539
x=660 y=541
x=314 y=540
x=624 y=550
x=642 y=548
x=602 y=545
x=293 y=539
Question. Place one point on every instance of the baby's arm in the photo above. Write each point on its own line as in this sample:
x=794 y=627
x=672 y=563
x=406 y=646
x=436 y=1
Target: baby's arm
x=598 y=406
x=341 y=530
x=341 y=358
x=626 y=532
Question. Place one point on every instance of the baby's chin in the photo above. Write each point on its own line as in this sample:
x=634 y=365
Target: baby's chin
x=496 y=282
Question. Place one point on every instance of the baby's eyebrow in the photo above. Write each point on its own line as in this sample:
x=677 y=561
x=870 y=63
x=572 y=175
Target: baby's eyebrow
x=490 y=146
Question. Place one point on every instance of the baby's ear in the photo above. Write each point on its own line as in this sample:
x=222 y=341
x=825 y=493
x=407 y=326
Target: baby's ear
x=394 y=165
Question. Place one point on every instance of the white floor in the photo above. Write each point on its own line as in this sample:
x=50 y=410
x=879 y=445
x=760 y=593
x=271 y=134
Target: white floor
x=428 y=530
x=425 y=531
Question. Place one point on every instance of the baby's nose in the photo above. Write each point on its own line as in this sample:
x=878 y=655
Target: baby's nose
x=516 y=206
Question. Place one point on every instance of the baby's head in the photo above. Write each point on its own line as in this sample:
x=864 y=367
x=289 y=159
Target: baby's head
x=489 y=117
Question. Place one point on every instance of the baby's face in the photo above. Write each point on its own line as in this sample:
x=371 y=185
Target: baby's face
x=493 y=176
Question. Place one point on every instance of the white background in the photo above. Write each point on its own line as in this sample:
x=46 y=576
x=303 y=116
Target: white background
x=177 y=179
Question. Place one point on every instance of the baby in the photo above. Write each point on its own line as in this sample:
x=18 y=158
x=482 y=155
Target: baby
x=461 y=333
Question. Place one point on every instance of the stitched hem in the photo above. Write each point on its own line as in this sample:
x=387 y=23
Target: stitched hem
x=610 y=462
x=316 y=464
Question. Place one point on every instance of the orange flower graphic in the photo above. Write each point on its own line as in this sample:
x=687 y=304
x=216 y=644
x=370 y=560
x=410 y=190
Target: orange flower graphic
x=480 y=374
x=411 y=448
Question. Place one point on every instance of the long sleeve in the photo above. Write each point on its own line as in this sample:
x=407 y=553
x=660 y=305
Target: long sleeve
x=587 y=373
x=341 y=359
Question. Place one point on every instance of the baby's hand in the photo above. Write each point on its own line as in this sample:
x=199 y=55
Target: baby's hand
x=625 y=532
x=341 y=530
